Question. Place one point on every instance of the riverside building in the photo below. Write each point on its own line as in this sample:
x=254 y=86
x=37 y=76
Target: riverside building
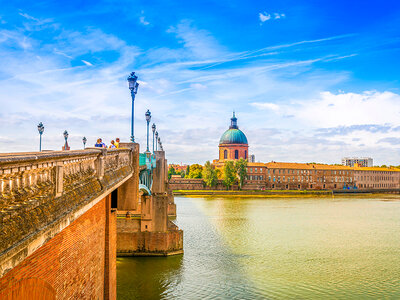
x=352 y=174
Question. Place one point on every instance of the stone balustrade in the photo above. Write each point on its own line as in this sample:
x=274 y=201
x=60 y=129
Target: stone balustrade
x=36 y=189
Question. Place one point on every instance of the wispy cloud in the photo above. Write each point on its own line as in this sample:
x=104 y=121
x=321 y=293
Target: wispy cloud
x=143 y=21
x=279 y=15
x=191 y=86
x=266 y=105
x=264 y=16
x=390 y=140
x=87 y=63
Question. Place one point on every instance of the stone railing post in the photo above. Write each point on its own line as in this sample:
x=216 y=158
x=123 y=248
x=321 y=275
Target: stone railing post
x=128 y=193
x=99 y=164
x=59 y=178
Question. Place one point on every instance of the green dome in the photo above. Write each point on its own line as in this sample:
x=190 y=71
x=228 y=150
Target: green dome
x=233 y=136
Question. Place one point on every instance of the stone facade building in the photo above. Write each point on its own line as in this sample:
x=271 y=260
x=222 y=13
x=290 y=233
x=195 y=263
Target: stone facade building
x=290 y=176
x=233 y=145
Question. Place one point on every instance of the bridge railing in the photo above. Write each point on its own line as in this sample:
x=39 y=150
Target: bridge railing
x=38 y=188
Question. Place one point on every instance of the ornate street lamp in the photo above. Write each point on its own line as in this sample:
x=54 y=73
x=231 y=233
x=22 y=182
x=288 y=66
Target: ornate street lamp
x=156 y=139
x=84 y=140
x=133 y=86
x=40 y=128
x=66 y=138
x=148 y=118
x=153 y=128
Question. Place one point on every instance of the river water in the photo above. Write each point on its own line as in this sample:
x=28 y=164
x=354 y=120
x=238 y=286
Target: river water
x=270 y=248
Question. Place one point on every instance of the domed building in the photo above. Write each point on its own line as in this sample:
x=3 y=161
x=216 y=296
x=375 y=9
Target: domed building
x=233 y=143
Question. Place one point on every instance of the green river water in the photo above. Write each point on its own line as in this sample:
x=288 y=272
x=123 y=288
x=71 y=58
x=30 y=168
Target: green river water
x=270 y=248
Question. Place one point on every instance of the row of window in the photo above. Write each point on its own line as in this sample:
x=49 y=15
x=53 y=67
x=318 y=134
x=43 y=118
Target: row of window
x=308 y=179
x=378 y=185
x=298 y=172
x=299 y=186
x=255 y=177
x=236 y=154
x=375 y=178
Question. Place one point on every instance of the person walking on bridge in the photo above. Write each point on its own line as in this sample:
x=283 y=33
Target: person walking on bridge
x=116 y=142
x=112 y=144
x=100 y=144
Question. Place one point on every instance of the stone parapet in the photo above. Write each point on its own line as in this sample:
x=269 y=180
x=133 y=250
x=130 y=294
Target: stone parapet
x=40 y=190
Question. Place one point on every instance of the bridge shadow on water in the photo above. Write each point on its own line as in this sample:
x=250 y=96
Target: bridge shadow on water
x=147 y=277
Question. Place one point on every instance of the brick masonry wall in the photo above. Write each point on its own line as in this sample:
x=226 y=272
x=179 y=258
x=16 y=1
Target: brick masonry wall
x=72 y=265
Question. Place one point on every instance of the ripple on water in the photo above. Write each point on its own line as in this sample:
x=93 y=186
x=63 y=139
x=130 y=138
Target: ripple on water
x=346 y=248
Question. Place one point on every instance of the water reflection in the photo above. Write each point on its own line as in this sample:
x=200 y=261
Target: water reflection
x=243 y=248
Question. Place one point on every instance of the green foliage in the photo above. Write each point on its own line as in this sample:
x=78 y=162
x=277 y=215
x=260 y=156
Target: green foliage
x=209 y=175
x=171 y=172
x=187 y=171
x=241 y=170
x=219 y=174
x=229 y=174
x=195 y=171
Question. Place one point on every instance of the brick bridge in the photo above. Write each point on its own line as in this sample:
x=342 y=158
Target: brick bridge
x=66 y=215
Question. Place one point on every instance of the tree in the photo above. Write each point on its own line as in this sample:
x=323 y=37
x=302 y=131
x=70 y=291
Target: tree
x=209 y=175
x=219 y=174
x=195 y=171
x=171 y=172
x=187 y=171
x=241 y=170
x=229 y=174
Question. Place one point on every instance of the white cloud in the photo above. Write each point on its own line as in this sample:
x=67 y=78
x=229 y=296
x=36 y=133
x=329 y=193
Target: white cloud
x=87 y=63
x=200 y=44
x=278 y=15
x=345 y=109
x=266 y=105
x=264 y=16
x=198 y=86
x=143 y=21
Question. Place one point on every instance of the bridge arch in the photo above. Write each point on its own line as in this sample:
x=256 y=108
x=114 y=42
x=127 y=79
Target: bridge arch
x=29 y=288
x=144 y=189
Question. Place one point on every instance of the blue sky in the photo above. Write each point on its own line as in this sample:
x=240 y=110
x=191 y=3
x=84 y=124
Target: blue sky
x=309 y=80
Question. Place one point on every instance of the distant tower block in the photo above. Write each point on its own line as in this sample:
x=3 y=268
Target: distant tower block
x=359 y=161
x=233 y=143
x=252 y=158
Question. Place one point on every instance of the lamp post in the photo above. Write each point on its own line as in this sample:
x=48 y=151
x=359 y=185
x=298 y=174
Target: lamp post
x=66 y=138
x=153 y=128
x=40 y=128
x=156 y=139
x=159 y=143
x=84 y=140
x=133 y=86
x=148 y=118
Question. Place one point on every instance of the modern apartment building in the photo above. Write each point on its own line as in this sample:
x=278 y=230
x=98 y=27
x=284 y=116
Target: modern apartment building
x=357 y=161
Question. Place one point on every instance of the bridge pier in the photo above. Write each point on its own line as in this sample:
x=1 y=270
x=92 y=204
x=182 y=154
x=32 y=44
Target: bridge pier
x=150 y=232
